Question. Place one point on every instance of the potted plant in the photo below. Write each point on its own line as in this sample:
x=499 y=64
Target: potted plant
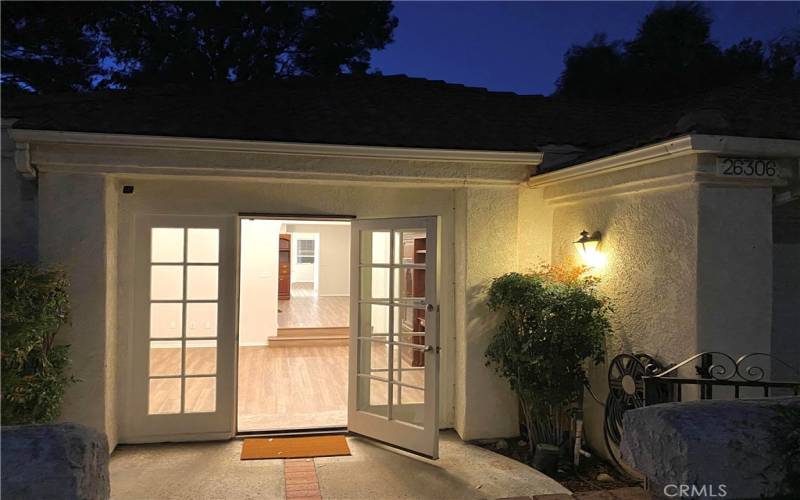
x=554 y=321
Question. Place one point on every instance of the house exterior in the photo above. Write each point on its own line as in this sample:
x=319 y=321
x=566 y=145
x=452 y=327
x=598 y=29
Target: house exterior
x=695 y=258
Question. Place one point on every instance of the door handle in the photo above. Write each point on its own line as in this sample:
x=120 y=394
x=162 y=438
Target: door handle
x=429 y=348
x=429 y=308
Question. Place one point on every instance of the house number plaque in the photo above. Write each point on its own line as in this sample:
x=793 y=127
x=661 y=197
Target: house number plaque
x=747 y=167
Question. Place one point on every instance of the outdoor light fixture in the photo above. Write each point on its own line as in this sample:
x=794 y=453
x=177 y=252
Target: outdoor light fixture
x=587 y=248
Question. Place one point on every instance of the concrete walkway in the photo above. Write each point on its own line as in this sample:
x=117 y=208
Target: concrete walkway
x=374 y=471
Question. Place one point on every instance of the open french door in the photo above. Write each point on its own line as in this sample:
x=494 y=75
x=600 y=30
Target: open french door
x=183 y=359
x=394 y=333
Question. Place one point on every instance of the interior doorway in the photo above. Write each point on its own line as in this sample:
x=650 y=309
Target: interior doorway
x=294 y=308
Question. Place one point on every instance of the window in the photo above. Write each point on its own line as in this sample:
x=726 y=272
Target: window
x=305 y=251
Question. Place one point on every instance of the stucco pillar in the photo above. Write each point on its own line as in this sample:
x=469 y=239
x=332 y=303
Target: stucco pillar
x=77 y=232
x=734 y=269
x=485 y=405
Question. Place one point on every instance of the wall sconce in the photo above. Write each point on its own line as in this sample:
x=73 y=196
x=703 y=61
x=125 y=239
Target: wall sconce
x=587 y=246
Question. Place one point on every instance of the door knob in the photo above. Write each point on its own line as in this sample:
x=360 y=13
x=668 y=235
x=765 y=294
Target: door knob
x=429 y=308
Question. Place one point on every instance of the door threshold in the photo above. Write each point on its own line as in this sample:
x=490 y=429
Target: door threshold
x=318 y=431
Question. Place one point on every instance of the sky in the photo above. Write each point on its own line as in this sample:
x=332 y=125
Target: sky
x=520 y=46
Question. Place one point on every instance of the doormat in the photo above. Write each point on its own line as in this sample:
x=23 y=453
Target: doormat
x=294 y=447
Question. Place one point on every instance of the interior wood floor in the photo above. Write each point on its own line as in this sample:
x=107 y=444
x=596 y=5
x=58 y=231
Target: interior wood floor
x=279 y=387
x=292 y=387
x=307 y=310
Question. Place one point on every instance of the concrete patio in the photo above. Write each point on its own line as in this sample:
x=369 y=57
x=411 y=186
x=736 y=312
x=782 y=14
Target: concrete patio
x=374 y=471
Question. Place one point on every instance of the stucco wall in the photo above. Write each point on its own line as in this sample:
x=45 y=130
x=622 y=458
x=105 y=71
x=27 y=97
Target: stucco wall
x=687 y=258
x=649 y=241
x=20 y=208
x=734 y=270
x=535 y=229
x=490 y=232
x=77 y=232
x=786 y=309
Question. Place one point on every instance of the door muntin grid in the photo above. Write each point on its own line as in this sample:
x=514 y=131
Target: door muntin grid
x=391 y=349
x=183 y=302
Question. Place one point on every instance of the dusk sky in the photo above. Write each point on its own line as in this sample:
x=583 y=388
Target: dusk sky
x=519 y=47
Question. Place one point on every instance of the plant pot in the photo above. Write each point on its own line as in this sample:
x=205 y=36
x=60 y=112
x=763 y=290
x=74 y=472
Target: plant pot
x=545 y=458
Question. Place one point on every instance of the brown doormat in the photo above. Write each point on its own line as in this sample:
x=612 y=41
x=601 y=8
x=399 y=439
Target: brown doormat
x=294 y=447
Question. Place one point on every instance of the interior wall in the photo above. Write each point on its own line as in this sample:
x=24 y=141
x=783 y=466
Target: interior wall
x=334 y=256
x=258 y=281
x=305 y=272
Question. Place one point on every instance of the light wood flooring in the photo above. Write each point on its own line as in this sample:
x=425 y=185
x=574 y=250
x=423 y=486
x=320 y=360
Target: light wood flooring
x=292 y=387
x=305 y=309
x=279 y=387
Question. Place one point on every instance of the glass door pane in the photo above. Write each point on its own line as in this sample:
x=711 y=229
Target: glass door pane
x=183 y=302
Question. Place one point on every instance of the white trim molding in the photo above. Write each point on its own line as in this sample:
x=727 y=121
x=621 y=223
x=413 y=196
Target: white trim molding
x=680 y=146
x=284 y=148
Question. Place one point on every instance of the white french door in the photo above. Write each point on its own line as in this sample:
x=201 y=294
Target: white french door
x=184 y=332
x=394 y=333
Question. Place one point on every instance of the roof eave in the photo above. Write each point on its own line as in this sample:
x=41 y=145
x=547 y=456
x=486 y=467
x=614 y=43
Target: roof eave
x=683 y=145
x=28 y=136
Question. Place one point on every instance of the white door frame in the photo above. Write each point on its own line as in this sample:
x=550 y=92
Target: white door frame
x=219 y=424
x=422 y=440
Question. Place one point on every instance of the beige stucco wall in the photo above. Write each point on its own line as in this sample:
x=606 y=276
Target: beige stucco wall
x=786 y=309
x=688 y=259
x=77 y=230
x=488 y=219
x=649 y=276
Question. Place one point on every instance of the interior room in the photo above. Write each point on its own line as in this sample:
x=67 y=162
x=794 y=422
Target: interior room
x=294 y=323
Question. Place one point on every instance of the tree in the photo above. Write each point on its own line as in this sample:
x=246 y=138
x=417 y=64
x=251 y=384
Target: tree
x=133 y=44
x=48 y=46
x=671 y=55
x=598 y=61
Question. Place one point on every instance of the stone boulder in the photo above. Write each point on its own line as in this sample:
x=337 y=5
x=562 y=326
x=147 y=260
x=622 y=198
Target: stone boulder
x=62 y=461
x=716 y=449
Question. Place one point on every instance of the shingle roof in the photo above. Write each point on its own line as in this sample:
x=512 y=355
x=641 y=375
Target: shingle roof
x=411 y=112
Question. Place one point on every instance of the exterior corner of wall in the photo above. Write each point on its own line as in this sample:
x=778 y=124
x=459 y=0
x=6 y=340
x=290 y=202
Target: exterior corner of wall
x=490 y=407
x=72 y=235
x=112 y=309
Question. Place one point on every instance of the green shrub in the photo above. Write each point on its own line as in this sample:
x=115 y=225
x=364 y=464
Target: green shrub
x=35 y=305
x=554 y=321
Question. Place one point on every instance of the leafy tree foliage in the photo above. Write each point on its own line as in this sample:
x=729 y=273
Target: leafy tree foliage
x=57 y=46
x=35 y=305
x=553 y=321
x=672 y=55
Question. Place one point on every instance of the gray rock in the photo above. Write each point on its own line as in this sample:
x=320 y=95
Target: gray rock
x=736 y=445
x=62 y=461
